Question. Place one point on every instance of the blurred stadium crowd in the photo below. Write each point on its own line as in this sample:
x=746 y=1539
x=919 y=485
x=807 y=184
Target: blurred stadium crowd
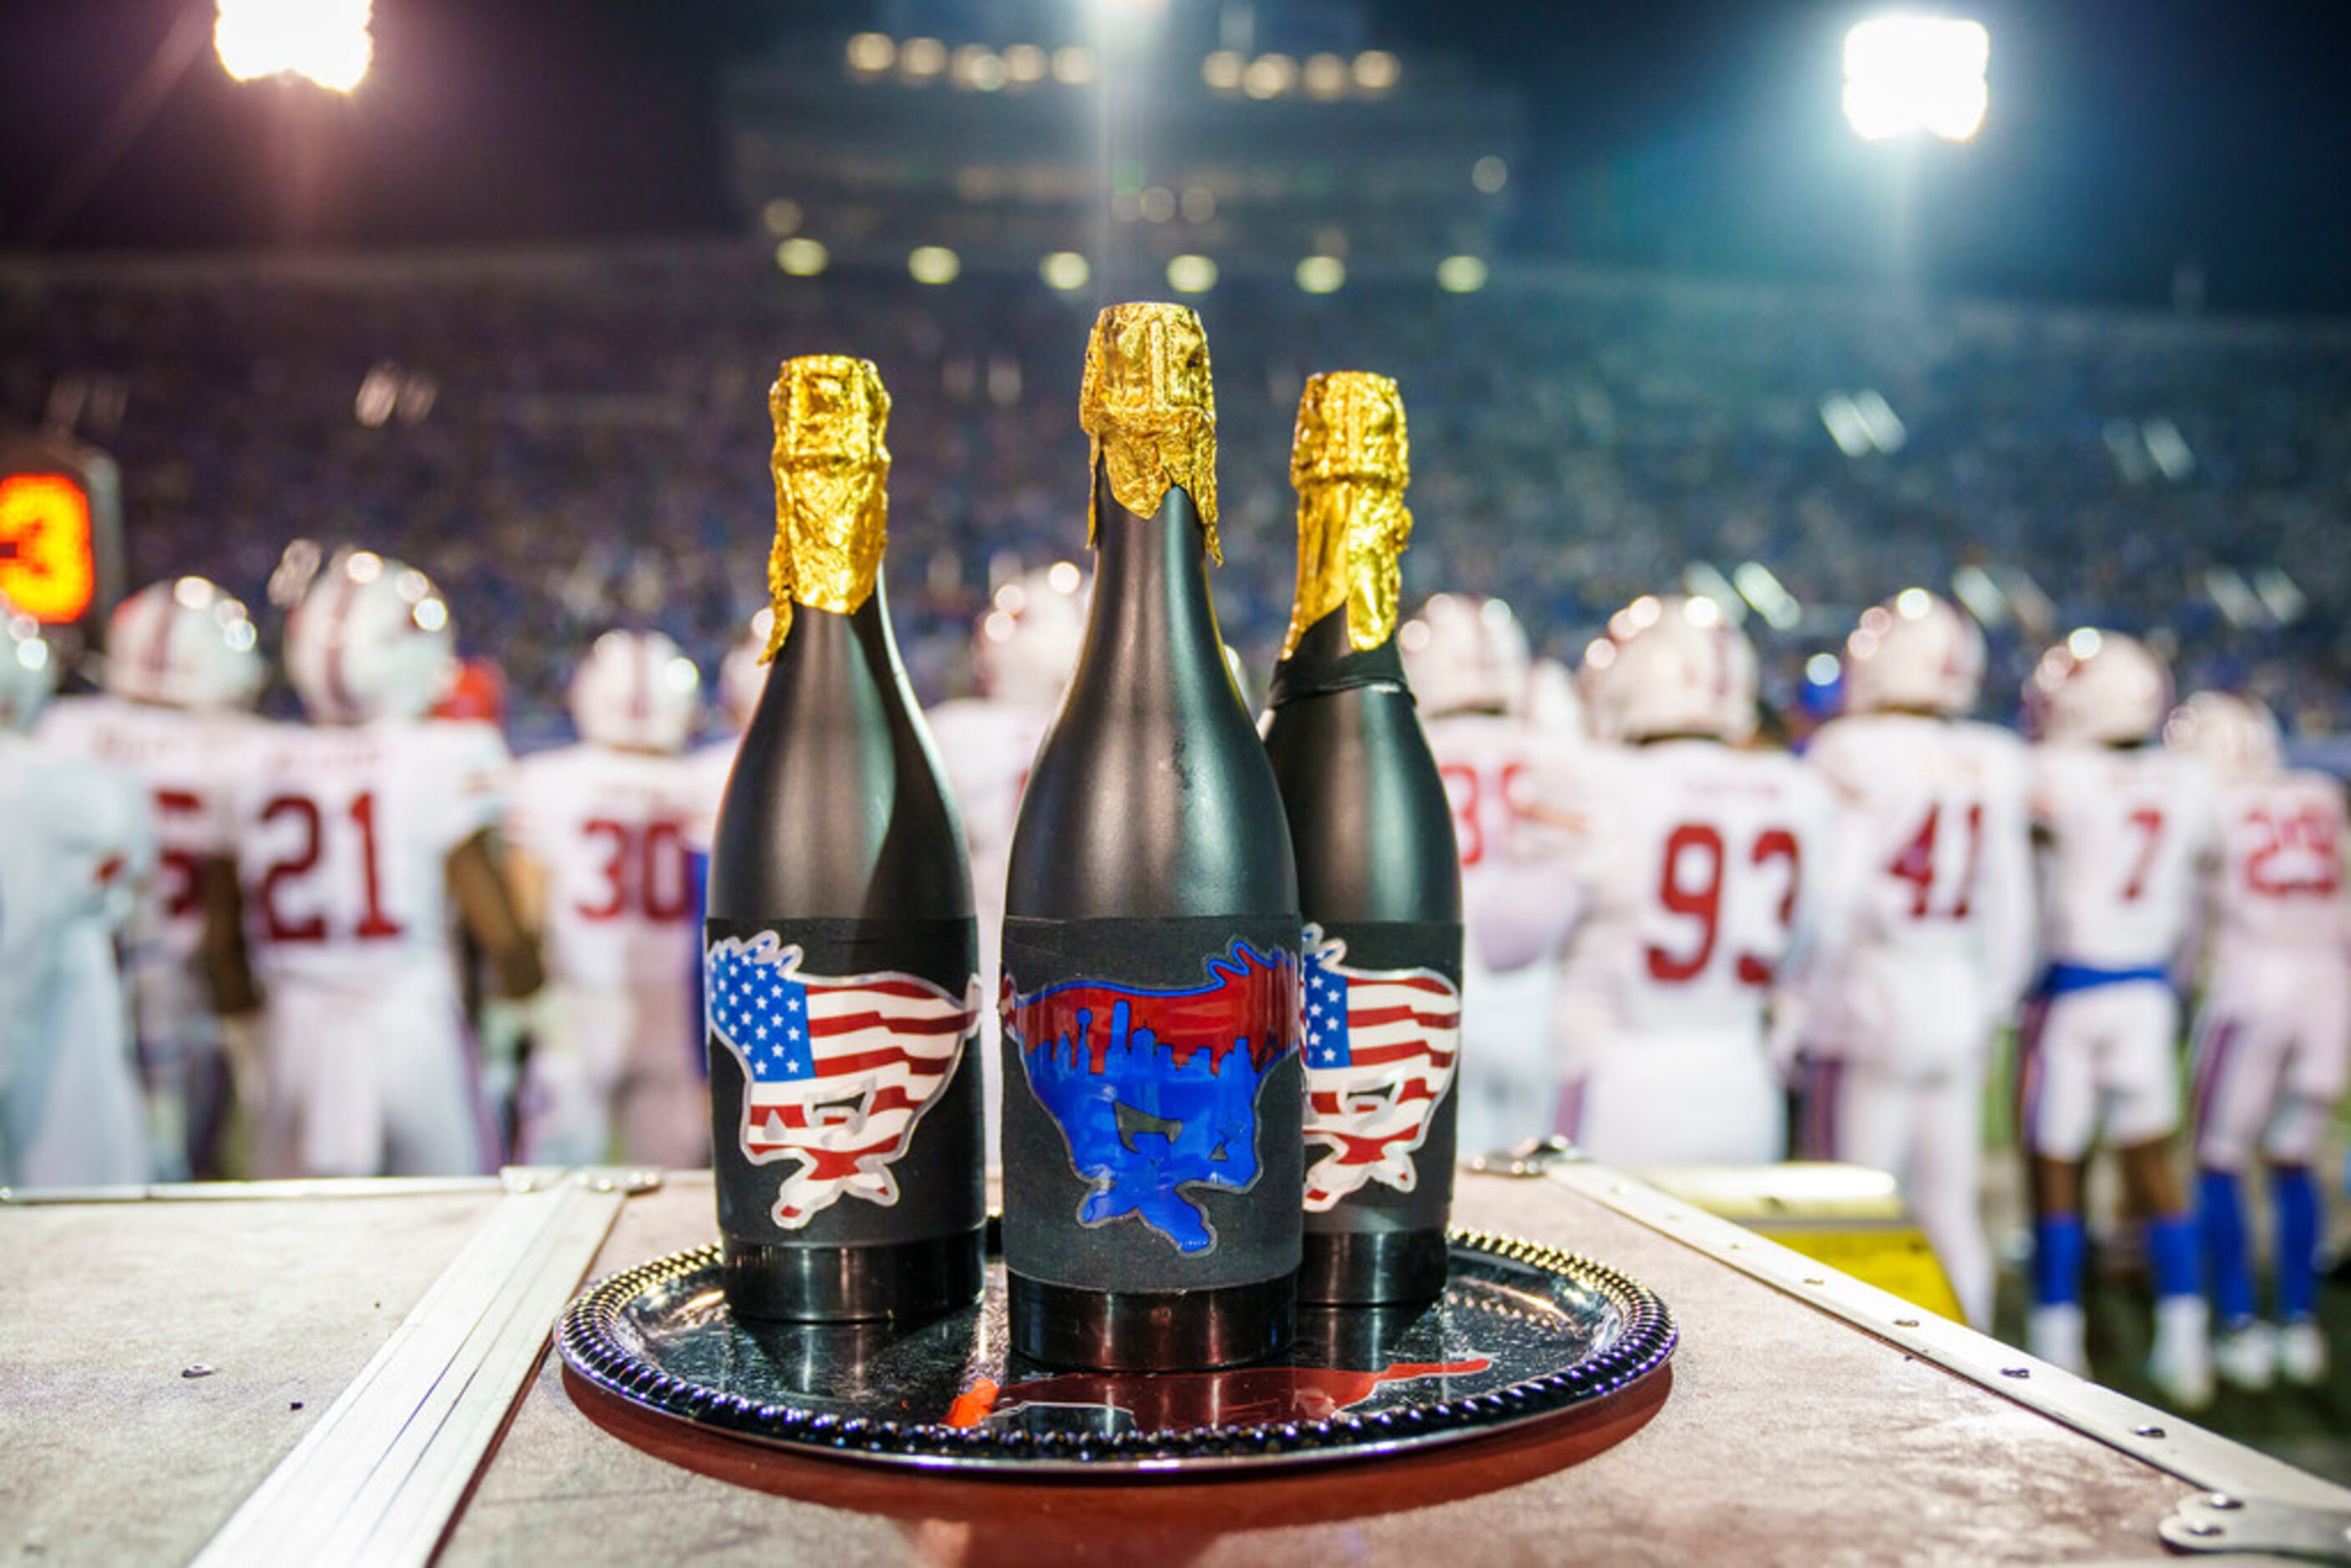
x=569 y=441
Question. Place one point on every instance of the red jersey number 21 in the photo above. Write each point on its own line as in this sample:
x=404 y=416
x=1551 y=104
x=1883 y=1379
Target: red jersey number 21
x=283 y=876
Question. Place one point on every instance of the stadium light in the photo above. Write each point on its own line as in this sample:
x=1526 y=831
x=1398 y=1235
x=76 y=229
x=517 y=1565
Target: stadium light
x=979 y=68
x=1065 y=270
x=1461 y=274
x=870 y=54
x=922 y=58
x=1377 y=70
x=932 y=263
x=1904 y=74
x=1024 y=64
x=802 y=256
x=1191 y=274
x=324 y=41
x=1269 y=76
x=1321 y=275
x=1761 y=588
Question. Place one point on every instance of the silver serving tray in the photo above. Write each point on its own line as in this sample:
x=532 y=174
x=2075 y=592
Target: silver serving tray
x=1522 y=1332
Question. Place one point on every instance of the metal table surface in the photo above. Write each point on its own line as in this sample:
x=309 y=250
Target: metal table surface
x=1785 y=1434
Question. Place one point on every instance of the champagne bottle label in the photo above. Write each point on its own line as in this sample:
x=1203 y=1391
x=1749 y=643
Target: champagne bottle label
x=1383 y=1040
x=835 y=1055
x=1153 y=1098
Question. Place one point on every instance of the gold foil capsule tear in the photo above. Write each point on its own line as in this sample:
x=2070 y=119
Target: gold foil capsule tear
x=832 y=486
x=1349 y=461
x=1148 y=407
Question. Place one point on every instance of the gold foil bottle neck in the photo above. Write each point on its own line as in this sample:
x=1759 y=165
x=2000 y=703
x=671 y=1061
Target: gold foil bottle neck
x=832 y=486
x=1350 y=462
x=1149 y=410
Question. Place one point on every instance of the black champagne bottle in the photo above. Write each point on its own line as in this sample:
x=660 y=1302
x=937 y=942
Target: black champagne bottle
x=1378 y=878
x=840 y=958
x=1152 y=1148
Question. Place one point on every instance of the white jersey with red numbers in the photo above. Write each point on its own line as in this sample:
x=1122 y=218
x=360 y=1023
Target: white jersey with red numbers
x=2280 y=883
x=343 y=838
x=2129 y=832
x=76 y=840
x=2273 y=1040
x=986 y=748
x=187 y=762
x=1932 y=866
x=608 y=831
x=1515 y=905
x=707 y=769
x=1698 y=866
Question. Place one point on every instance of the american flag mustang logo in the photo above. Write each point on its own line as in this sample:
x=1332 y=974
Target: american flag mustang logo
x=1380 y=1046
x=837 y=1070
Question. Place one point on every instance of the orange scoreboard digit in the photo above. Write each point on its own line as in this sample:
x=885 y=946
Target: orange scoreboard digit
x=48 y=553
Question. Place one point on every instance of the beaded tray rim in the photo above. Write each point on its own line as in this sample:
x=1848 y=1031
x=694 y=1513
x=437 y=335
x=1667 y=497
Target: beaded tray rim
x=583 y=1337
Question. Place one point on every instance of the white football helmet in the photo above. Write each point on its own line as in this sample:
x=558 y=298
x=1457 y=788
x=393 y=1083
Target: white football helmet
x=184 y=644
x=1027 y=645
x=1674 y=666
x=28 y=670
x=2235 y=737
x=743 y=673
x=1919 y=651
x=369 y=639
x=1464 y=655
x=636 y=692
x=2098 y=688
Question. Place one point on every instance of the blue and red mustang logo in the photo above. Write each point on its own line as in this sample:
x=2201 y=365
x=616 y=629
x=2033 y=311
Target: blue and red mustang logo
x=1155 y=1091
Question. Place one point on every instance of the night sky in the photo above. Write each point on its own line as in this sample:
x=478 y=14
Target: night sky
x=1699 y=136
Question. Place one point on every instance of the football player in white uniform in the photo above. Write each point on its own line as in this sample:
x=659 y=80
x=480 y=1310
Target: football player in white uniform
x=598 y=833
x=355 y=835
x=1467 y=662
x=1022 y=654
x=183 y=666
x=2127 y=831
x=1932 y=861
x=1553 y=704
x=742 y=676
x=74 y=842
x=2273 y=1037
x=1696 y=863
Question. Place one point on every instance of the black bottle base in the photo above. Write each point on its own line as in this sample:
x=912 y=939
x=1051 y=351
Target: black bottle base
x=908 y=1281
x=1372 y=1268
x=1150 y=1331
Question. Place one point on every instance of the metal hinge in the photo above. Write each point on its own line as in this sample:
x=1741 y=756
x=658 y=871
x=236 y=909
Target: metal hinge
x=2221 y=1522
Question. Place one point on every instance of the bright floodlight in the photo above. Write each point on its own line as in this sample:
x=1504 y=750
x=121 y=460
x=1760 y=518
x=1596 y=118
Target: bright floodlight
x=1191 y=274
x=1916 y=73
x=325 y=40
